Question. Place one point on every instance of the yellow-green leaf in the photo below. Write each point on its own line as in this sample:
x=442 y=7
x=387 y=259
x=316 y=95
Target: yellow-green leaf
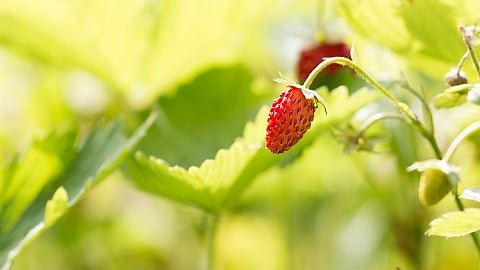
x=454 y=224
x=56 y=206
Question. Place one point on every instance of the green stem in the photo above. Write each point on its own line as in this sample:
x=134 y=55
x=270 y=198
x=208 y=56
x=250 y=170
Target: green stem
x=375 y=118
x=462 y=60
x=460 y=207
x=401 y=106
x=468 y=33
x=473 y=56
x=428 y=134
x=347 y=62
x=460 y=137
x=211 y=231
x=451 y=149
x=433 y=143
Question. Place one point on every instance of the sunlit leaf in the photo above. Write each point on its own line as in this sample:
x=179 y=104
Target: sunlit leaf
x=31 y=198
x=219 y=182
x=56 y=207
x=214 y=107
x=140 y=48
x=453 y=96
x=412 y=29
x=455 y=224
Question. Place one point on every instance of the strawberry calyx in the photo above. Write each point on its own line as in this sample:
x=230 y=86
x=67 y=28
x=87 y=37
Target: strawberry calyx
x=308 y=93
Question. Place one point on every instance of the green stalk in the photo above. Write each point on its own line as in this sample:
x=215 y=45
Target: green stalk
x=451 y=149
x=377 y=117
x=427 y=134
x=468 y=33
x=460 y=137
x=212 y=224
x=401 y=106
x=347 y=62
x=473 y=56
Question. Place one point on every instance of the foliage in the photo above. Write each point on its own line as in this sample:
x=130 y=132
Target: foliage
x=175 y=94
x=59 y=167
x=219 y=181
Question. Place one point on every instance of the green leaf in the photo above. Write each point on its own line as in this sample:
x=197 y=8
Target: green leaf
x=214 y=106
x=219 y=182
x=412 y=29
x=56 y=207
x=452 y=97
x=454 y=224
x=29 y=184
x=157 y=47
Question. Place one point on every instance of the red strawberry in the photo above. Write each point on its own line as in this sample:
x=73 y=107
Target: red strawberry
x=290 y=117
x=312 y=56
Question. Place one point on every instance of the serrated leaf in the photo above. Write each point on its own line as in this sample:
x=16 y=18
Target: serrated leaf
x=471 y=194
x=451 y=97
x=219 y=182
x=86 y=163
x=454 y=224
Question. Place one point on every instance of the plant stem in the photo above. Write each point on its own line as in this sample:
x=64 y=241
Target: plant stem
x=433 y=142
x=473 y=57
x=462 y=60
x=375 y=118
x=451 y=149
x=401 y=106
x=468 y=33
x=211 y=231
x=428 y=134
x=460 y=137
x=460 y=207
x=347 y=62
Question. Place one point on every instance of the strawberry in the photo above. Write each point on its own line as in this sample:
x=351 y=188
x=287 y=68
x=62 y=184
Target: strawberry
x=310 y=57
x=290 y=117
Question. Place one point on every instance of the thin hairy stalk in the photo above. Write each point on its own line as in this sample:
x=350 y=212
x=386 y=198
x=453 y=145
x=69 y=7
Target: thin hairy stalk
x=426 y=133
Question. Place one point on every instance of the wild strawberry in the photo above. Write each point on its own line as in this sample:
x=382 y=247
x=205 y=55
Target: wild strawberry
x=290 y=117
x=310 y=57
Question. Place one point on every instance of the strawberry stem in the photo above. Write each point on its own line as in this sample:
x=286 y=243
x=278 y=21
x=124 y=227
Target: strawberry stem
x=468 y=33
x=212 y=222
x=375 y=118
x=460 y=137
x=426 y=133
x=367 y=77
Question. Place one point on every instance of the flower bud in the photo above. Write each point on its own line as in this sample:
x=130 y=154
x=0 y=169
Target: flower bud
x=434 y=185
x=455 y=77
x=473 y=95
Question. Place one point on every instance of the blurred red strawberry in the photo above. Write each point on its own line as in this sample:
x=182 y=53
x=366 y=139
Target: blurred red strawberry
x=312 y=56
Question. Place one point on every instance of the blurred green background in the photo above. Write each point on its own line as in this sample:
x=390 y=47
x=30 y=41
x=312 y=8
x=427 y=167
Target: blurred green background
x=206 y=68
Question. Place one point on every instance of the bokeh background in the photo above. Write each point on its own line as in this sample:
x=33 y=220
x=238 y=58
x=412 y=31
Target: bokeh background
x=77 y=61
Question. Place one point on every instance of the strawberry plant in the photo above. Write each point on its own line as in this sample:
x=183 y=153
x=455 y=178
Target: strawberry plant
x=152 y=135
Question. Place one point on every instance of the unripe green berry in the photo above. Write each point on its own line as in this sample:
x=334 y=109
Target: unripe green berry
x=433 y=186
x=455 y=77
